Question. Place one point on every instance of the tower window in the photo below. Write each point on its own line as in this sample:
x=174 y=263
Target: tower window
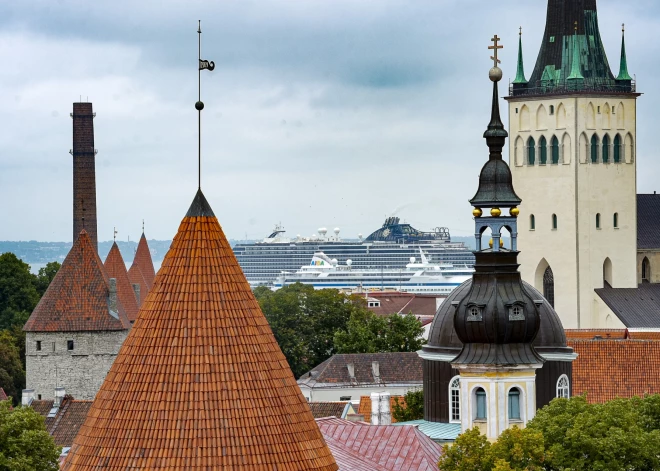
x=531 y=151
x=516 y=313
x=69 y=345
x=598 y=221
x=516 y=110
x=613 y=110
x=532 y=222
x=38 y=345
x=616 y=220
x=563 y=387
x=646 y=270
x=606 y=149
x=552 y=109
x=617 y=149
x=474 y=314
x=594 y=149
x=554 y=222
x=543 y=146
x=599 y=110
x=455 y=399
x=549 y=286
x=554 y=144
x=481 y=404
x=514 y=404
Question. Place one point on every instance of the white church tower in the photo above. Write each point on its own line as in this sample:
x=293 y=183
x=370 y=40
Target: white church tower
x=573 y=160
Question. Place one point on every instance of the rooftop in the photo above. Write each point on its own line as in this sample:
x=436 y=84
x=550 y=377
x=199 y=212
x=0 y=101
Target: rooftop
x=648 y=222
x=66 y=423
x=330 y=409
x=116 y=268
x=635 y=307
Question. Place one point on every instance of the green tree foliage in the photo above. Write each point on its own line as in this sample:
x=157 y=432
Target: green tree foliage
x=24 y=443
x=18 y=294
x=470 y=452
x=367 y=332
x=12 y=371
x=45 y=276
x=411 y=408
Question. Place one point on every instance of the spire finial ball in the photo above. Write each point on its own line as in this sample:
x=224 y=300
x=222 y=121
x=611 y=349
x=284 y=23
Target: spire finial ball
x=495 y=74
x=514 y=212
x=199 y=106
x=477 y=212
x=496 y=212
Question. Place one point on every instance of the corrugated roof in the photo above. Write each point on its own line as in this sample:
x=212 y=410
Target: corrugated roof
x=648 y=222
x=607 y=369
x=116 y=268
x=200 y=382
x=635 y=307
x=395 y=448
x=78 y=297
x=436 y=431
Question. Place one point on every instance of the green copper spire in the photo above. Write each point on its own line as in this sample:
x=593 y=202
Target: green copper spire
x=520 y=75
x=623 y=67
x=576 y=73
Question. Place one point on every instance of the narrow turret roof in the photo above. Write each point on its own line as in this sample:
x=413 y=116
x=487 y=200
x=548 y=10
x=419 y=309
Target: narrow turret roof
x=143 y=260
x=116 y=268
x=78 y=298
x=200 y=382
x=623 y=64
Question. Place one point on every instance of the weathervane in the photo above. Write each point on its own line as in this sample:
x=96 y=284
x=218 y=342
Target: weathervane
x=495 y=73
x=115 y=234
x=143 y=226
x=199 y=106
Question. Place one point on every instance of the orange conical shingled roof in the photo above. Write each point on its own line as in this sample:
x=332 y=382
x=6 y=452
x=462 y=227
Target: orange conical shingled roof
x=200 y=382
x=143 y=260
x=116 y=268
x=78 y=297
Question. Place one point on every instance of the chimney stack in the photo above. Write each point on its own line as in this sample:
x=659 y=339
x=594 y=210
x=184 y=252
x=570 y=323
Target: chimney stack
x=59 y=397
x=385 y=414
x=375 y=408
x=27 y=397
x=84 y=172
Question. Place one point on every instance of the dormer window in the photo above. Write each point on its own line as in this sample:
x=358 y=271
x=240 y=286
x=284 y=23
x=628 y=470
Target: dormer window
x=474 y=314
x=516 y=312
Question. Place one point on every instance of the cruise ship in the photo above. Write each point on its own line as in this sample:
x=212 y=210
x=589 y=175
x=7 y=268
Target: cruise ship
x=419 y=277
x=389 y=247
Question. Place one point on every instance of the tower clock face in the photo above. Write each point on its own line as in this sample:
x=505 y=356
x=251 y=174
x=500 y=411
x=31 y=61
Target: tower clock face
x=386 y=232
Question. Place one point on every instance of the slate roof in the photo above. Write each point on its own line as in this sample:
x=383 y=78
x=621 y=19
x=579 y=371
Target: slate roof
x=607 y=369
x=78 y=297
x=116 y=268
x=648 y=222
x=328 y=409
x=394 y=368
x=200 y=382
x=68 y=420
x=635 y=307
x=364 y=409
x=394 y=448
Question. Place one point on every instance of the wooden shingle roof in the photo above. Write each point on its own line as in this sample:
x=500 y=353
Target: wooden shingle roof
x=78 y=297
x=200 y=382
x=116 y=268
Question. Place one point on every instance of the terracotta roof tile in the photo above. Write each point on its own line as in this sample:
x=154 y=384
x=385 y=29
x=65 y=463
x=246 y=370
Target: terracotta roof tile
x=200 y=382
x=590 y=334
x=395 y=448
x=116 y=268
x=405 y=303
x=135 y=276
x=143 y=260
x=364 y=409
x=644 y=334
x=78 y=297
x=328 y=409
x=42 y=407
x=67 y=421
x=607 y=369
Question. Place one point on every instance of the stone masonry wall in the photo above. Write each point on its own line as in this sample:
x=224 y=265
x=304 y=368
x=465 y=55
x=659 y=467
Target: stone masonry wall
x=80 y=371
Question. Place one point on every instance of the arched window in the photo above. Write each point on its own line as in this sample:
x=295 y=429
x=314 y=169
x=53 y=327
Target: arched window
x=554 y=144
x=531 y=151
x=594 y=149
x=606 y=149
x=455 y=399
x=617 y=149
x=514 y=404
x=616 y=220
x=481 y=409
x=549 y=286
x=532 y=222
x=554 y=221
x=607 y=272
x=563 y=387
x=646 y=270
x=543 y=148
x=552 y=109
x=598 y=221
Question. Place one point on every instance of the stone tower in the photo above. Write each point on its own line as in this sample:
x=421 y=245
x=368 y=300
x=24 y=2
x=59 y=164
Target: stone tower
x=84 y=172
x=573 y=160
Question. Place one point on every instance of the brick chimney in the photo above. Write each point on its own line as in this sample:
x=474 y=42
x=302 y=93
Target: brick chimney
x=84 y=172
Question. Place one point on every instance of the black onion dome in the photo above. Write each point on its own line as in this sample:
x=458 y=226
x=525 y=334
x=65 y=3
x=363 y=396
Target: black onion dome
x=551 y=337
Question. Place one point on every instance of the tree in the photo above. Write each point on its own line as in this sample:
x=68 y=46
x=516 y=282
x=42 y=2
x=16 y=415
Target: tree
x=367 y=332
x=45 y=276
x=18 y=295
x=24 y=442
x=470 y=452
x=411 y=407
x=12 y=372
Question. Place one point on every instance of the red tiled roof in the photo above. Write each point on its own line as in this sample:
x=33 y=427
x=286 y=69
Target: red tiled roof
x=143 y=260
x=644 y=335
x=328 y=409
x=77 y=298
x=607 y=369
x=393 y=447
x=135 y=276
x=200 y=382
x=589 y=334
x=364 y=408
x=404 y=303
x=116 y=268
x=67 y=421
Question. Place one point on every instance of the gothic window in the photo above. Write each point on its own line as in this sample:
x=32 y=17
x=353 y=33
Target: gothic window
x=474 y=314
x=554 y=221
x=606 y=149
x=514 y=404
x=549 y=286
x=563 y=387
x=554 y=145
x=598 y=221
x=532 y=222
x=594 y=149
x=531 y=151
x=481 y=409
x=646 y=270
x=455 y=399
x=617 y=149
x=543 y=148
x=616 y=220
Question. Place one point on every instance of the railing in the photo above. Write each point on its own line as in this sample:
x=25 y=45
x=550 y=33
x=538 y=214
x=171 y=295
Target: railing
x=573 y=86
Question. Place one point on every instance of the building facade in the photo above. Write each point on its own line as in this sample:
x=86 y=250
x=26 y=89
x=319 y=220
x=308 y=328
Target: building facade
x=573 y=161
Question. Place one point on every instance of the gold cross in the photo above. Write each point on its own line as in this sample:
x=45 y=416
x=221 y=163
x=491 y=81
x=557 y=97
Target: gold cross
x=495 y=47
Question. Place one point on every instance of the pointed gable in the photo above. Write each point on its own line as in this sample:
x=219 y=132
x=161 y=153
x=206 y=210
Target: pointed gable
x=78 y=297
x=116 y=268
x=144 y=262
x=200 y=382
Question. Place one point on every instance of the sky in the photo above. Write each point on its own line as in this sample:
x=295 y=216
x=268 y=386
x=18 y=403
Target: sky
x=319 y=113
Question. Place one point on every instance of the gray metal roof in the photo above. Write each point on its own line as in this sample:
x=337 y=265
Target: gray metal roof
x=648 y=221
x=635 y=307
x=437 y=431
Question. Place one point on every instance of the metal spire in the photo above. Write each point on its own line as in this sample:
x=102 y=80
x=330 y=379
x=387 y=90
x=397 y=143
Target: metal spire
x=199 y=106
x=623 y=67
x=115 y=235
x=520 y=74
x=576 y=72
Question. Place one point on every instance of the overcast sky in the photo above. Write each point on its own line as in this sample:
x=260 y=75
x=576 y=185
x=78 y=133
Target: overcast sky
x=329 y=113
